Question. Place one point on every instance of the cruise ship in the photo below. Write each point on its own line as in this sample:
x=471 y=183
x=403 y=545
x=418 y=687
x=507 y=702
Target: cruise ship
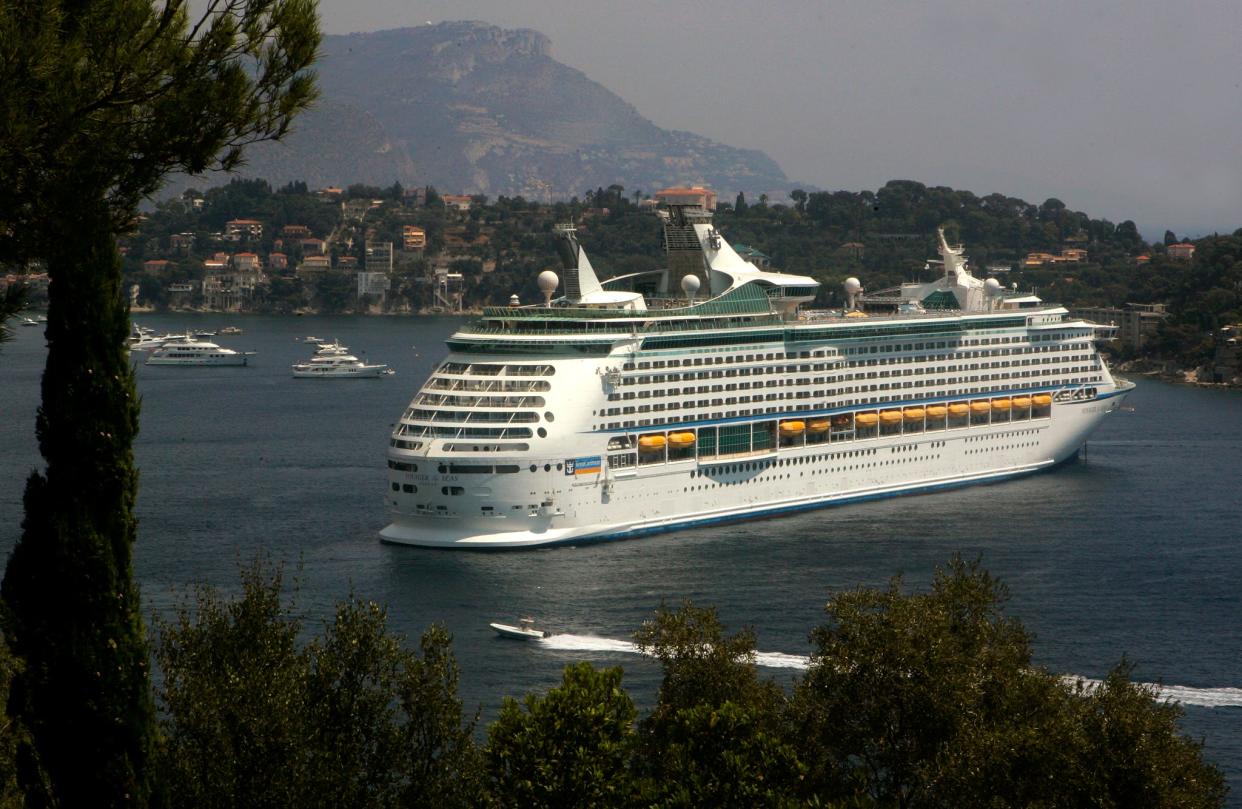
x=708 y=391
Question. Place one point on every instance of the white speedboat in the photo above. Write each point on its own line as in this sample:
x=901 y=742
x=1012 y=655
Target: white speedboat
x=230 y=330
x=309 y=339
x=337 y=366
x=525 y=630
x=196 y=352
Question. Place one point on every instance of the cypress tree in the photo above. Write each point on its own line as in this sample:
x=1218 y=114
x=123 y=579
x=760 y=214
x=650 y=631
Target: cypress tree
x=104 y=100
x=73 y=605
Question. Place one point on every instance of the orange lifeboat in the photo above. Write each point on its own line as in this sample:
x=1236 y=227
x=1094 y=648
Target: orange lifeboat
x=1000 y=404
x=792 y=427
x=980 y=407
x=1021 y=402
x=890 y=416
x=650 y=443
x=1041 y=400
x=959 y=409
x=818 y=426
x=681 y=439
x=866 y=419
x=913 y=413
x=936 y=411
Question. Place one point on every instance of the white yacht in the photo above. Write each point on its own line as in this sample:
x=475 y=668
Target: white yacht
x=707 y=392
x=196 y=352
x=336 y=363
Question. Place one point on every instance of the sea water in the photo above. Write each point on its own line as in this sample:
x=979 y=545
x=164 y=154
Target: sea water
x=1134 y=551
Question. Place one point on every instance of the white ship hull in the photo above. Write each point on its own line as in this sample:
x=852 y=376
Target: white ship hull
x=690 y=493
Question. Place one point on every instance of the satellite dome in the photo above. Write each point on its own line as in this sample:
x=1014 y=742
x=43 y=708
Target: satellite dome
x=992 y=286
x=852 y=286
x=690 y=285
x=547 y=282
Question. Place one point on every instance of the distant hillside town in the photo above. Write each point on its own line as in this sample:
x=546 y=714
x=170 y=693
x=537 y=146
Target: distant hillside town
x=246 y=247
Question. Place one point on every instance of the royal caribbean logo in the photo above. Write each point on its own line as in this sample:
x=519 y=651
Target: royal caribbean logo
x=583 y=466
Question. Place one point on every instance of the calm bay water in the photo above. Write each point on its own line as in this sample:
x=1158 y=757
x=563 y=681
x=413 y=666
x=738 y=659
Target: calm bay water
x=1137 y=551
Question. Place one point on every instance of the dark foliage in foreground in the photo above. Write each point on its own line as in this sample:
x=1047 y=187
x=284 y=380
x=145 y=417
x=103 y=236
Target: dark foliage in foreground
x=910 y=700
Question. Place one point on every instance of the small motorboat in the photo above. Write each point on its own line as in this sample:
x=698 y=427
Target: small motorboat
x=525 y=630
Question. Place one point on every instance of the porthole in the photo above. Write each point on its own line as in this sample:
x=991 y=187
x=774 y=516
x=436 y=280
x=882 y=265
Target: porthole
x=542 y=432
x=533 y=467
x=548 y=416
x=547 y=467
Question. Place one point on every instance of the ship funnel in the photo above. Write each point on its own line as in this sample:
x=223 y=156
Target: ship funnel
x=580 y=278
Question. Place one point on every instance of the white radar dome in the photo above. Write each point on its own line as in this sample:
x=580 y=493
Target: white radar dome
x=852 y=286
x=547 y=282
x=992 y=286
x=690 y=285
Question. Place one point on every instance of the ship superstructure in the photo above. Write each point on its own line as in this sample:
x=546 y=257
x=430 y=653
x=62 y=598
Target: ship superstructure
x=706 y=391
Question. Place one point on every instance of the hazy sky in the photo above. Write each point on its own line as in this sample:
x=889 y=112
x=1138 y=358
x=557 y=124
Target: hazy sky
x=1125 y=110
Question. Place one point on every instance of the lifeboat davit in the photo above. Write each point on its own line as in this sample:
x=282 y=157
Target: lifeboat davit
x=792 y=427
x=1021 y=401
x=681 y=439
x=818 y=426
x=866 y=419
x=980 y=407
x=936 y=411
x=1041 y=400
x=1000 y=404
x=959 y=409
x=890 y=416
x=651 y=443
x=913 y=413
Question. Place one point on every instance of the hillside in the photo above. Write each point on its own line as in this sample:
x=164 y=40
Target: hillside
x=472 y=108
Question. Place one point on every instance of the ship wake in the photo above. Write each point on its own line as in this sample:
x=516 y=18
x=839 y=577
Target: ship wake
x=1186 y=695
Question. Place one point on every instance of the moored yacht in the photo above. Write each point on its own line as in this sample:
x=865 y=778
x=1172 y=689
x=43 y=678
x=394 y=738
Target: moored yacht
x=708 y=391
x=196 y=352
x=334 y=364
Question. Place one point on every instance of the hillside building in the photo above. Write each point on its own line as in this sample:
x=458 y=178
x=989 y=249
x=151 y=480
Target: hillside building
x=694 y=195
x=379 y=257
x=413 y=237
x=1136 y=323
x=243 y=229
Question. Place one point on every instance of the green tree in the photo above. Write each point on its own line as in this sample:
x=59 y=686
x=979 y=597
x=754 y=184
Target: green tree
x=570 y=747
x=352 y=718
x=103 y=100
x=233 y=697
x=715 y=737
x=931 y=701
x=723 y=756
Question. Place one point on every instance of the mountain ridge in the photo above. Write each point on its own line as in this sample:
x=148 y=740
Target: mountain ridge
x=473 y=108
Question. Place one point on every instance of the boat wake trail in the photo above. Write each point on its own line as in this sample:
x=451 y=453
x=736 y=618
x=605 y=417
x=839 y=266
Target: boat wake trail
x=1187 y=695
x=594 y=643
